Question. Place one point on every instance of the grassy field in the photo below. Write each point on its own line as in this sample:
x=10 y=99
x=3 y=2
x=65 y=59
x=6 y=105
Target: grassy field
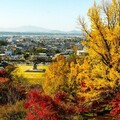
x=31 y=77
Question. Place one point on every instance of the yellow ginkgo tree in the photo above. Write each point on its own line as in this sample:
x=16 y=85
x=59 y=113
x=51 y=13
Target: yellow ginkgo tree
x=103 y=43
x=99 y=71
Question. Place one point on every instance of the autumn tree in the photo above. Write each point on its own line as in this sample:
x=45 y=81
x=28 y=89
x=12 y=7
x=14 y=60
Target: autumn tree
x=56 y=75
x=103 y=37
x=99 y=72
x=90 y=81
x=103 y=43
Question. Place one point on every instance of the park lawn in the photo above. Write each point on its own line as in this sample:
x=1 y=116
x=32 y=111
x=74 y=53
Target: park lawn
x=30 y=77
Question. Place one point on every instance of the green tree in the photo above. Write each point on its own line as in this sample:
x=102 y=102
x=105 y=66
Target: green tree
x=3 y=42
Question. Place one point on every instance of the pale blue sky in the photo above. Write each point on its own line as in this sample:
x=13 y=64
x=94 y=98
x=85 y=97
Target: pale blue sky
x=51 y=14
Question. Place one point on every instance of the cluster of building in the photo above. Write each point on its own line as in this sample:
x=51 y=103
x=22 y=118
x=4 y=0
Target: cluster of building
x=42 y=48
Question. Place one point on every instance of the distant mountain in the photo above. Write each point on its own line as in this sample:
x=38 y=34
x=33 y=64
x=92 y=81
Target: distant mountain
x=74 y=31
x=34 y=29
x=25 y=29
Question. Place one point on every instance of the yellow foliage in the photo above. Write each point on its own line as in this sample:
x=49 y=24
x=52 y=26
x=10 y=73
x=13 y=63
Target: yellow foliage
x=56 y=75
x=100 y=71
x=103 y=42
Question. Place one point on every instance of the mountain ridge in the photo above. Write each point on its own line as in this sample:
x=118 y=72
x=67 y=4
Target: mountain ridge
x=35 y=29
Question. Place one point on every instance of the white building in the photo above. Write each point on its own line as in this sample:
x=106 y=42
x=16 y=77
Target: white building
x=8 y=52
x=81 y=52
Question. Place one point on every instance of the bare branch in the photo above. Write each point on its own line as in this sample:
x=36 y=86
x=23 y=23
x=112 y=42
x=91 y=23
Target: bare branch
x=83 y=25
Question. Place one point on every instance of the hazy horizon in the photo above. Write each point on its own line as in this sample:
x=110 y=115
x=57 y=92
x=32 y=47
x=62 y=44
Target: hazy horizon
x=35 y=29
x=49 y=14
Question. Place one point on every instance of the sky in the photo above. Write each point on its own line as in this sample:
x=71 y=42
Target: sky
x=50 y=14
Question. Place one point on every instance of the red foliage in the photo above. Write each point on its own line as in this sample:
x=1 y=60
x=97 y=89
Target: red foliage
x=116 y=106
x=3 y=80
x=2 y=72
x=95 y=104
x=60 y=97
x=10 y=92
x=40 y=106
x=83 y=84
x=3 y=76
x=63 y=106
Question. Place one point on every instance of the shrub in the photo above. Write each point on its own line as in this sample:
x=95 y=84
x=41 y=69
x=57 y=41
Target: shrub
x=13 y=112
x=10 y=93
x=3 y=76
x=10 y=90
x=63 y=106
x=42 y=106
x=116 y=106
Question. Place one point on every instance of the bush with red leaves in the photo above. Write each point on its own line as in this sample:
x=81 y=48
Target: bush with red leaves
x=3 y=76
x=41 y=106
x=116 y=106
x=9 y=91
x=60 y=97
x=2 y=72
x=62 y=106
